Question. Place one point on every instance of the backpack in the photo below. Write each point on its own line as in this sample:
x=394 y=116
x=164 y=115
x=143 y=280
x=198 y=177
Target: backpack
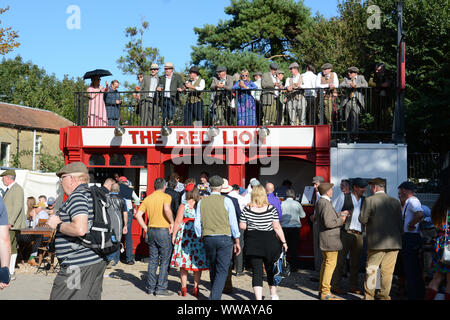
x=101 y=238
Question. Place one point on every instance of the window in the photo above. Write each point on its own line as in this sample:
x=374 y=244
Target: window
x=138 y=160
x=117 y=159
x=4 y=154
x=96 y=160
x=38 y=145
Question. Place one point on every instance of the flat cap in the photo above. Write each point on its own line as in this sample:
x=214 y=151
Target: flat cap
x=154 y=66
x=215 y=181
x=378 y=182
x=294 y=65
x=324 y=187
x=407 y=185
x=360 y=182
x=273 y=66
x=327 y=66
x=194 y=69
x=9 y=172
x=74 y=167
x=257 y=73
x=353 y=69
x=220 y=69
x=280 y=72
x=318 y=179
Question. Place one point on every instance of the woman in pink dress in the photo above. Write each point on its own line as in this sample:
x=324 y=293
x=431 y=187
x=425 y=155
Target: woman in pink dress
x=97 y=111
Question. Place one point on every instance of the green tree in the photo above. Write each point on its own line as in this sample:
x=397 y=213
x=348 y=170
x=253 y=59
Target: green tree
x=7 y=37
x=138 y=58
x=24 y=83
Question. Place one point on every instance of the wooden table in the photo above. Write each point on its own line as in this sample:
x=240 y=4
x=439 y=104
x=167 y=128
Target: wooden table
x=44 y=231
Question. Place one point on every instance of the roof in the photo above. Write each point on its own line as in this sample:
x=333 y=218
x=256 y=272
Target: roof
x=23 y=117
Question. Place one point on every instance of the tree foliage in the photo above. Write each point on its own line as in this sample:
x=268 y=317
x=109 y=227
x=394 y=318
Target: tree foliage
x=8 y=37
x=138 y=58
x=24 y=83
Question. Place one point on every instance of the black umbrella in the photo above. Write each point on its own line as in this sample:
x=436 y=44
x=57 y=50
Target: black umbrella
x=97 y=72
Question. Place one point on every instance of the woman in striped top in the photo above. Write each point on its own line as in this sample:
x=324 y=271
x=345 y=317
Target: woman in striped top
x=262 y=239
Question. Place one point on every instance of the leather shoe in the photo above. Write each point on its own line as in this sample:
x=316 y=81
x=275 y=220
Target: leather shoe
x=131 y=262
x=338 y=291
x=355 y=291
x=163 y=293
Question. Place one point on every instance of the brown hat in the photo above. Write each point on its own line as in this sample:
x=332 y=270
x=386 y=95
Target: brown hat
x=353 y=69
x=9 y=172
x=294 y=65
x=74 y=167
x=378 y=182
x=327 y=66
x=324 y=187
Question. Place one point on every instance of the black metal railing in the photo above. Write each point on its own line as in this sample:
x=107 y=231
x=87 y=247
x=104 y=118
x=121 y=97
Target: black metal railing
x=425 y=170
x=362 y=113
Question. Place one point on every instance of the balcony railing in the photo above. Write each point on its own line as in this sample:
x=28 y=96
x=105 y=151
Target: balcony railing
x=363 y=114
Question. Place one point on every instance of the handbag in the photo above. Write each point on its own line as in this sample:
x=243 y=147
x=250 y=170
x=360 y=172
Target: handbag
x=445 y=256
x=281 y=268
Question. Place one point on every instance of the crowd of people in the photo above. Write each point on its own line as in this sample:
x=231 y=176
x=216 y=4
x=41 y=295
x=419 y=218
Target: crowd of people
x=227 y=229
x=239 y=100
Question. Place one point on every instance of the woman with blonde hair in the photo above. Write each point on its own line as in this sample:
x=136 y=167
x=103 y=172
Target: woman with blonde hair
x=264 y=239
x=246 y=110
x=188 y=252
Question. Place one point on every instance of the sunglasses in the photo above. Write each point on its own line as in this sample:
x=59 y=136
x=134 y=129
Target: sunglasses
x=244 y=75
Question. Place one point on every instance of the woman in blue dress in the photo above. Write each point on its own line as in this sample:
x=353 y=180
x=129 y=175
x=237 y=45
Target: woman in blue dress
x=246 y=109
x=188 y=252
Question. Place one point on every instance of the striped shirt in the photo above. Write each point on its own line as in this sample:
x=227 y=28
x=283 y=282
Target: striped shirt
x=259 y=221
x=68 y=249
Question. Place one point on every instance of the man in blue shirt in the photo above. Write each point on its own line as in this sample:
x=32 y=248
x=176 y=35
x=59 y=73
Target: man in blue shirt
x=273 y=199
x=216 y=223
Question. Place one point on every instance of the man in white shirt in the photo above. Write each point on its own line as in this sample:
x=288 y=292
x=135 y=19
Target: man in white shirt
x=194 y=106
x=327 y=81
x=309 y=83
x=257 y=95
x=345 y=188
x=296 y=102
x=148 y=104
x=290 y=222
x=235 y=194
x=171 y=84
x=351 y=237
x=411 y=241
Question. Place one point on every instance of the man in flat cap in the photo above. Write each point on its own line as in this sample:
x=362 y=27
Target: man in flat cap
x=327 y=81
x=296 y=102
x=269 y=96
x=222 y=84
x=351 y=237
x=412 y=241
x=171 y=85
x=329 y=223
x=14 y=202
x=193 y=111
x=381 y=215
x=216 y=222
x=71 y=222
x=147 y=100
x=353 y=101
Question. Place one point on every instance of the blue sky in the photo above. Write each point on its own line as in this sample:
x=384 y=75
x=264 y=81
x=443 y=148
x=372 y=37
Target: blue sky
x=47 y=42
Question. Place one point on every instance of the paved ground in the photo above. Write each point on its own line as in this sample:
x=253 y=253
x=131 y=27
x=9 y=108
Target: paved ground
x=125 y=282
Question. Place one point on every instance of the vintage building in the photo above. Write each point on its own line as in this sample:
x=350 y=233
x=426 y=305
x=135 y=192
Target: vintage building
x=30 y=133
